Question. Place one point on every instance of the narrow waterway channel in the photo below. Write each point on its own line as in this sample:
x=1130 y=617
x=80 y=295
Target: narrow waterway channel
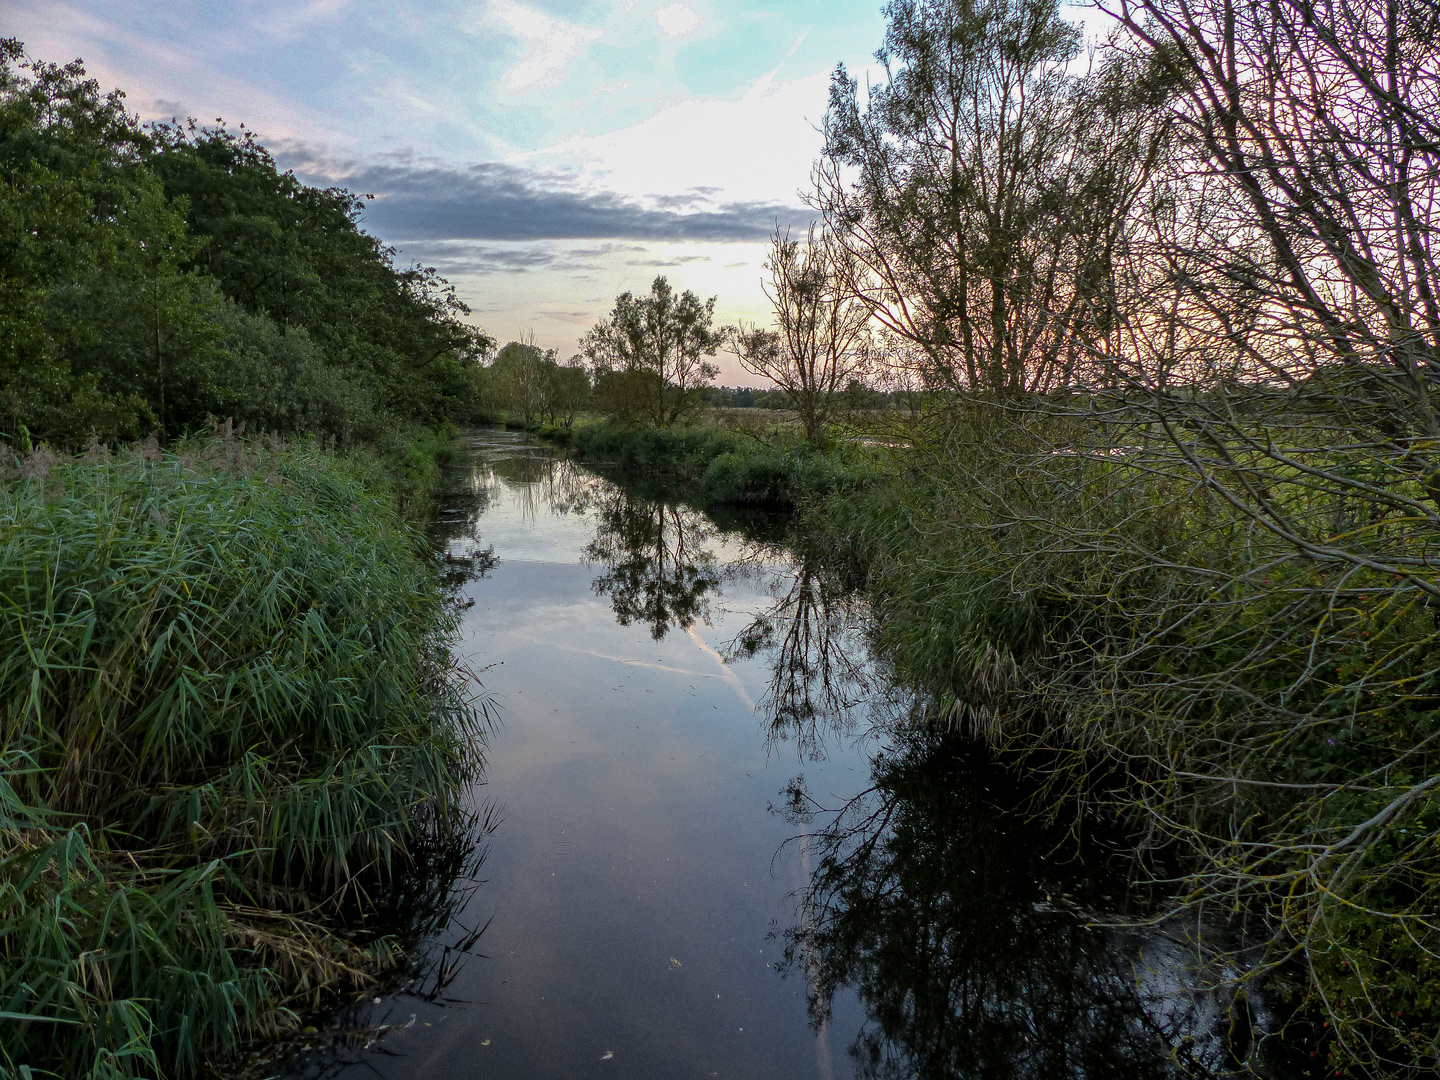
x=714 y=855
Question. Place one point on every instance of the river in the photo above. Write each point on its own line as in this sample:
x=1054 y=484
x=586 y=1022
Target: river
x=708 y=844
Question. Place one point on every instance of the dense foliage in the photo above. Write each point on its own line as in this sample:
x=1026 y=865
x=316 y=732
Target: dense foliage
x=229 y=708
x=728 y=466
x=159 y=279
x=647 y=357
x=531 y=385
x=1169 y=517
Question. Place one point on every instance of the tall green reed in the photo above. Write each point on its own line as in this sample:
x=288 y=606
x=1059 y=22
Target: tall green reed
x=227 y=708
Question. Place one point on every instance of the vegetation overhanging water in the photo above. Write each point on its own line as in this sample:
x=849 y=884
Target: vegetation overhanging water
x=878 y=893
x=1118 y=398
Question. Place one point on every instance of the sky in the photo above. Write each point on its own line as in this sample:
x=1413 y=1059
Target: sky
x=544 y=156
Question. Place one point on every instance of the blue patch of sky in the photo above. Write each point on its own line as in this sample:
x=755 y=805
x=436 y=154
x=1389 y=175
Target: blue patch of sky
x=443 y=73
x=758 y=38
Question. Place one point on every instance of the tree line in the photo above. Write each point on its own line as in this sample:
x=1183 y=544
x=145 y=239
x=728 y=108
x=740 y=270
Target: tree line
x=158 y=277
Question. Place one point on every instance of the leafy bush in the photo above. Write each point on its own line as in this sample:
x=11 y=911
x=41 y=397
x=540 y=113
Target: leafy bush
x=1079 y=599
x=280 y=381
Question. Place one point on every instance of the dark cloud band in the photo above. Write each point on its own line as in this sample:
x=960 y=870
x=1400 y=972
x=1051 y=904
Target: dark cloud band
x=422 y=201
x=452 y=257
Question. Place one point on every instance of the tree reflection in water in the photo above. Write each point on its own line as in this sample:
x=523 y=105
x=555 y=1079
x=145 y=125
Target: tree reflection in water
x=961 y=938
x=532 y=478
x=536 y=479
x=463 y=495
x=932 y=896
x=819 y=663
x=659 y=569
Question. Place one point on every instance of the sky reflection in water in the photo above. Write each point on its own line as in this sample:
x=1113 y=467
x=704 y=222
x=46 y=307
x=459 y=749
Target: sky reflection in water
x=714 y=857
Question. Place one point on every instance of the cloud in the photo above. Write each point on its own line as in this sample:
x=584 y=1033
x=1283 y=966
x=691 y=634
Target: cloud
x=455 y=258
x=163 y=76
x=677 y=20
x=288 y=22
x=676 y=260
x=166 y=107
x=420 y=200
x=548 y=44
x=760 y=146
x=576 y=318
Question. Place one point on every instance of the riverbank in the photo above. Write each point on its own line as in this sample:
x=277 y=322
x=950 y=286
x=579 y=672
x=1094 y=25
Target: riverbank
x=231 y=714
x=1093 y=613
x=769 y=466
x=663 y=896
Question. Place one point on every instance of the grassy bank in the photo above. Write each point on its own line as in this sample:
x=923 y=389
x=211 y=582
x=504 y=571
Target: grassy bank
x=229 y=711
x=412 y=457
x=1081 y=598
x=1093 y=610
x=769 y=468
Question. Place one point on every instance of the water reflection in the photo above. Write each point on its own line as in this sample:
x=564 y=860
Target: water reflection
x=939 y=933
x=659 y=569
x=820 y=668
x=934 y=899
x=450 y=527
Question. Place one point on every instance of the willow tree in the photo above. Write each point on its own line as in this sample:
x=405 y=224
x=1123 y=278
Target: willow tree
x=981 y=190
x=648 y=355
x=822 y=337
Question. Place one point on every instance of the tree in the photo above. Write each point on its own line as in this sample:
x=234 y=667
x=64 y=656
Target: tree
x=981 y=191
x=523 y=369
x=648 y=355
x=1225 y=537
x=135 y=263
x=297 y=255
x=823 y=340
x=1280 y=353
x=103 y=329
x=567 y=390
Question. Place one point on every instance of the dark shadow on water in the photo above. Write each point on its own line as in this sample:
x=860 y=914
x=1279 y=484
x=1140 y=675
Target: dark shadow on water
x=982 y=944
x=940 y=913
x=415 y=913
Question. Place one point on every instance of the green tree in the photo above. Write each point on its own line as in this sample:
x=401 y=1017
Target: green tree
x=567 y=390
x=982 y=190
x=648 y=356
x=73 y=209
x=155 y=279
x=522 y=368
x=297 y=255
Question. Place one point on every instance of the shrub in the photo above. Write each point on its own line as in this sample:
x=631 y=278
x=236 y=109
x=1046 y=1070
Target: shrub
x=729 y=466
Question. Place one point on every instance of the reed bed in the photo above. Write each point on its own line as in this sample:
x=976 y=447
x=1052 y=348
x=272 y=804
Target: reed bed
x=229 y=711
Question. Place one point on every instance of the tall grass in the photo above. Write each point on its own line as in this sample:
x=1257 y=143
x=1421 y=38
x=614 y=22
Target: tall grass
x=228 y=707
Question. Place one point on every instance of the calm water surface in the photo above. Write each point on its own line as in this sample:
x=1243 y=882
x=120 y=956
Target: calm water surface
x=715 y=856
